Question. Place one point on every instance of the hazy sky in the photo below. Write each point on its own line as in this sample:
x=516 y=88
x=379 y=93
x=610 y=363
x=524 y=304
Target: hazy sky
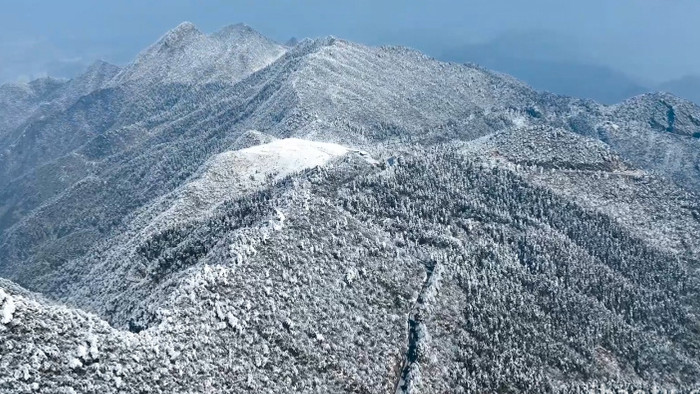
x=650 y=39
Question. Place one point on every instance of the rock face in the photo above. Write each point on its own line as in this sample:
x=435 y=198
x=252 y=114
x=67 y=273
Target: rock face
x=227 y=214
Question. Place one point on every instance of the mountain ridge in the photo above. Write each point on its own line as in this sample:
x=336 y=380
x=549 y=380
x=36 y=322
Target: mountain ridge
x=185 y=53
x=351 y=219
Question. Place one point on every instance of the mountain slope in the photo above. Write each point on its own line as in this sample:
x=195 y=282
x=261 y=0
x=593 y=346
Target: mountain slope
x=474 y=268
x=339 y=218
x=20 y=102
x=108 y=110
x=281 y=100
x=657 y=132
x=160 y=76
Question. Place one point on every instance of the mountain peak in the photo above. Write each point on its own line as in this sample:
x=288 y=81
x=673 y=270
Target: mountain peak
x=97 y=74
x=186 y=55
x=181 y=33
x=236 y=32
x=235 y=27
x=292 y=42
x=185 y=27
x=100 y=65
x=46 y=83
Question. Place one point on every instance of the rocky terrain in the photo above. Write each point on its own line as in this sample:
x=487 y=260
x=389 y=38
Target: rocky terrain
x=227 y=214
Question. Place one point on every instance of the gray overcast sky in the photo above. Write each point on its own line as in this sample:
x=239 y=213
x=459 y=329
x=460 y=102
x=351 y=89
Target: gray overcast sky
x=650 y=39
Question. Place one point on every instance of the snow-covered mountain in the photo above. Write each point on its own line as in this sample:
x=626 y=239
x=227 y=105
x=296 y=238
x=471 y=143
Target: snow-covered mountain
x=185 y=55
x=22 y=101
x=227 y=214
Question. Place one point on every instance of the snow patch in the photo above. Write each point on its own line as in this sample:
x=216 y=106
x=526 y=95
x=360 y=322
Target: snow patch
x=8 y=307
x=351 y=275
x=74 y=363
x=82 y=351
x=234 y=173
x=519 y=121
x=278 y=222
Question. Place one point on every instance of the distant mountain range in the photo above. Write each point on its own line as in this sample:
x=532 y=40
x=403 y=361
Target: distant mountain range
x=687 y=87
x=228 y=214
x=554 y=64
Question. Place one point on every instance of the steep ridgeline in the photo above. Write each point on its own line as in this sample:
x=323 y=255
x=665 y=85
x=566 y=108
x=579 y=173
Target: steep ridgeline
x=657 y=132
x=187 y=56
x=325 y=89
x=107 y=110
x=20 y=102
x=230 y=215
x=183 y=62
x=588 y=172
